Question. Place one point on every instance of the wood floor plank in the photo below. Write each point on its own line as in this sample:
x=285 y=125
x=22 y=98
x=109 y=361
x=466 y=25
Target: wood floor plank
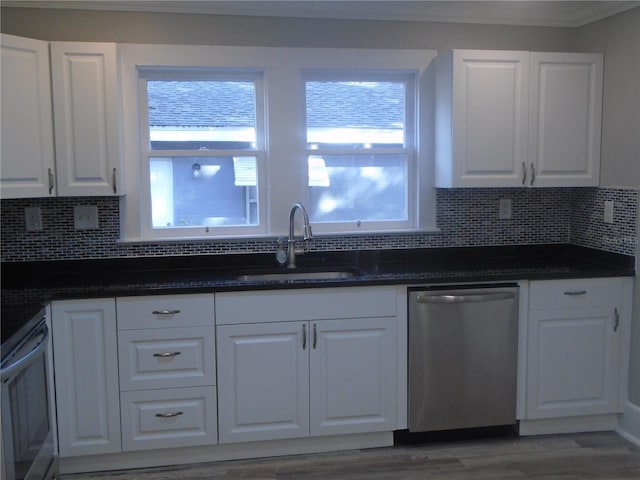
x=593 y=456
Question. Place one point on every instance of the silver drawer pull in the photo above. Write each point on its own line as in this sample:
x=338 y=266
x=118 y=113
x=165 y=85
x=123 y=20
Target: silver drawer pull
x=167 y=354
x=575 y=293
x=166 y=312
x=169 y=415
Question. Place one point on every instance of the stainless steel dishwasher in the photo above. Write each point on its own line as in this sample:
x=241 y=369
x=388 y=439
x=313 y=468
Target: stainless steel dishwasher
x=462 y=357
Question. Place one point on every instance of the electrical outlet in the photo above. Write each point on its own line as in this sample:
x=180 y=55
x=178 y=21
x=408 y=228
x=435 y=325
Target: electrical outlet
x=608 y=211
x=85 y=217
x=505 y=209
x=33 y=219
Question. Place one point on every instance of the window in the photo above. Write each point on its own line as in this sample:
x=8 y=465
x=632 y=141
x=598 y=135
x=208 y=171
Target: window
x=201 y=147
x=221 y=141
x=359 y=133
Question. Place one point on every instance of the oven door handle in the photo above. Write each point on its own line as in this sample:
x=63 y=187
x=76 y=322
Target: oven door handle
x=27 y=359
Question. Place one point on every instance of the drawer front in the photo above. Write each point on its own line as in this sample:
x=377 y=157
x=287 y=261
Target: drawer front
x=575 y=293
x=166 y=358
x=304 y=304
x=168 y=418
x=163 y=311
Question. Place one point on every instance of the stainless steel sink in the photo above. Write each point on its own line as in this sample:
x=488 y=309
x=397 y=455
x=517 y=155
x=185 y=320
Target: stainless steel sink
x=283 y=275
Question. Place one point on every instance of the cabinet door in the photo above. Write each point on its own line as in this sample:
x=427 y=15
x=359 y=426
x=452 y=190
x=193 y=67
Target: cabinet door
x=490 y=117
x=573 y=362
x=85 y=94
x=352 y=376
x=85 y=356
x=565 y=108
x=263 y=388
x=27 y=127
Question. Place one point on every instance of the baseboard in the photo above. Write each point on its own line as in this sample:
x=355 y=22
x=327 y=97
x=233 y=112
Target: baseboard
x=629 y=425
x=214 y=453
x=587 y=423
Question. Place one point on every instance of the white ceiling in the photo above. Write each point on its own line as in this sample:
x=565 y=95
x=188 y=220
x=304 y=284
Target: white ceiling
x=556 y=13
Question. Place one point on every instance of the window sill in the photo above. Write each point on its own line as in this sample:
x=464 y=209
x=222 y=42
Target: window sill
x=273 y=237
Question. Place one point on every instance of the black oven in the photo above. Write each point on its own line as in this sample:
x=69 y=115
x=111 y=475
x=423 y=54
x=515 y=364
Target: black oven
x=28 y=450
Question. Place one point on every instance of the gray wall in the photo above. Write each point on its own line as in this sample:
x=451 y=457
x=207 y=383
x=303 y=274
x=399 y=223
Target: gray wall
x=128 y=27
x=618 y=37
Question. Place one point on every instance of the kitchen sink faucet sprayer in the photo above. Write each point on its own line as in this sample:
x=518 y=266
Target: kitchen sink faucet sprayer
x=306 y=235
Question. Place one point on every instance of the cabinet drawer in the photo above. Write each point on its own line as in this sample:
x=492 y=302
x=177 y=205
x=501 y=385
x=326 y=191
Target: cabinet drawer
x=575 y=293
x=166 y=358
x=168 y=418
x=300 y=305
x=165 y=311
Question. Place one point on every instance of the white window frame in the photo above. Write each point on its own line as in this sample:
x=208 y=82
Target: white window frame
x=408 y=149
x=284 y=166
x=146 y=153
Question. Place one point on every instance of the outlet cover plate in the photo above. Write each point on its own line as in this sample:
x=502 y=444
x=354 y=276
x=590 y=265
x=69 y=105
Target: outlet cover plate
x=85 y=217
x=33 y=219
x=608 y=211
x=505 y=209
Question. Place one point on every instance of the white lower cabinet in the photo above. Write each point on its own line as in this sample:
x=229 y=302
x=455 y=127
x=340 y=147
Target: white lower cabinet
x=85 y=356
x=263 y=388
x=169 y=418
x=293 y=379
x=352 y=376
x=577 y=350
x=167 y=366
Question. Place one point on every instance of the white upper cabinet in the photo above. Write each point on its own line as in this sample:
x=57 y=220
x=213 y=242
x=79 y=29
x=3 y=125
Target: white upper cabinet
x=565 y=110
x=27 y=130
x=512 y=118
x=65 y=90
x=481 y=126
x=85 y=94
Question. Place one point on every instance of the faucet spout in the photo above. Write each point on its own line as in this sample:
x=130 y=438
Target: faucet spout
x=306 y=235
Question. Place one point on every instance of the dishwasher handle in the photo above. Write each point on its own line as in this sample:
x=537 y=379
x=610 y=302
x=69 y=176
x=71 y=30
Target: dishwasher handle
x=474 y=297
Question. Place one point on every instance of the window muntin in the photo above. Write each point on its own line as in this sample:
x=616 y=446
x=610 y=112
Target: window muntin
x=202 y=159
x=360 y=151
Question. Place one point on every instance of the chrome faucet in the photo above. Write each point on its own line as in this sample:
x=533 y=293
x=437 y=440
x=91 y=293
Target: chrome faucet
x=306 y=235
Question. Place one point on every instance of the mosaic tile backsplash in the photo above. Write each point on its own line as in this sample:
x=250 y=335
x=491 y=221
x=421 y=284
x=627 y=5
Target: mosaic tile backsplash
x=466 y=217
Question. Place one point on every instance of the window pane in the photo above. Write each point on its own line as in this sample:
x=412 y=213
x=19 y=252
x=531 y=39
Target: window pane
x=358 y=187
x=362 y=114
x=203 y=191
x=201 y=115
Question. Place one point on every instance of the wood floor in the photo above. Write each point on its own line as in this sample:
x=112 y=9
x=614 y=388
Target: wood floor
x=601 y=456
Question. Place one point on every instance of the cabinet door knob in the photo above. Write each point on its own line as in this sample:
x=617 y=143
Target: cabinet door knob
x=115 y=181
x=524 y=173
x=575 y=293
x=616 y=319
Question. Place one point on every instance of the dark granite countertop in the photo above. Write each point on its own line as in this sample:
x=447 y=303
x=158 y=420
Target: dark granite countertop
x=212 y=273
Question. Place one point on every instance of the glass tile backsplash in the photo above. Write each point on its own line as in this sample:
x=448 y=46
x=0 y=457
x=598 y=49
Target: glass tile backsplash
x=465 y=217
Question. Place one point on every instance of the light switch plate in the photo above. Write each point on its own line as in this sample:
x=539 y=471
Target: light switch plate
x=33 y=219
x=608 y=211
x=85 y=217
x=505 y=209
